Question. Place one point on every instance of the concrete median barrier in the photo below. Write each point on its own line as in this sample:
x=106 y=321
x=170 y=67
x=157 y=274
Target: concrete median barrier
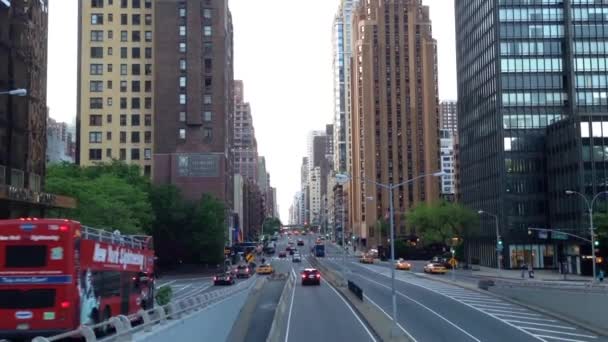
x=278 y=328
x=243 y=320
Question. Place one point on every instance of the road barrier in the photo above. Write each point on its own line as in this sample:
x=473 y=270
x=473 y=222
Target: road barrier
x=278 y=329
x=122 y=329
x=354 y=288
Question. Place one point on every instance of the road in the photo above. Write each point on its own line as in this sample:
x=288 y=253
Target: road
x=184 y=287
x=318 y=313
x=428 y=310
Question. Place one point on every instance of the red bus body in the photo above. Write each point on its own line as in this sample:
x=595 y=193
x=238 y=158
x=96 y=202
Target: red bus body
x=57 y=274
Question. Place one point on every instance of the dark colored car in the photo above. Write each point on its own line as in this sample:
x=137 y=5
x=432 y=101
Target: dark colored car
x=282 y=254
x=292 y=251
x=223 y=279
x=243 y=271
x=300 y=242
x=269 y=250
x=311 y=276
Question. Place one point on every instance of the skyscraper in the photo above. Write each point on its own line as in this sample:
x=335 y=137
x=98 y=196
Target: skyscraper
x=245 y=147
x=115 y=112
x=448 y=116
x=523 y=67
x=394 y=111
x=193 y=91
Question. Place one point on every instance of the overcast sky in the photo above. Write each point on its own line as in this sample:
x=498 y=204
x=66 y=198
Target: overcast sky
x=282 y=53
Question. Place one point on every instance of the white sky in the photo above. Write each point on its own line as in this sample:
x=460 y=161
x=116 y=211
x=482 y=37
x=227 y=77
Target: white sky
x=282 y=53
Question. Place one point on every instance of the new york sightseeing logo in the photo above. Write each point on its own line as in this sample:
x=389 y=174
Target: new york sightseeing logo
x=118 y=255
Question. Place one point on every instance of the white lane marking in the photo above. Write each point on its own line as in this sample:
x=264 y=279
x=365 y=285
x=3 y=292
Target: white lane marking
x=429 y=309
x=541 y=324
x=387 y=315
x=167 y=283
x=489 y=306
x=511 y=311
x=562 y=333
x=560 y=338
x=518 y=316
x=293 y=294
x=182 y=289
x=485 y=302
x=474 y=308
x=351 y=310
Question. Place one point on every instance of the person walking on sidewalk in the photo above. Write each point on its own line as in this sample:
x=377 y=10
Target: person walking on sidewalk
x=530 y=271
x=523 y=270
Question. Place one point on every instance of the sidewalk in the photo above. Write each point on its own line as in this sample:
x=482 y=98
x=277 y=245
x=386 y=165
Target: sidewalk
x=539 y=275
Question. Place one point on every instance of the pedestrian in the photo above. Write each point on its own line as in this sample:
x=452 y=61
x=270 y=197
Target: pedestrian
x=523 y=270
x=530 y=271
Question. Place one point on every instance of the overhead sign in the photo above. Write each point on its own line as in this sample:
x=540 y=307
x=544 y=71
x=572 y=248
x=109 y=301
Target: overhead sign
x=559 y=236
x=542 y=234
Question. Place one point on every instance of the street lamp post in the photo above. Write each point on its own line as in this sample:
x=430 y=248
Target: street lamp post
x=591 y=228
x=15 y=92
x=498 y=250
x=390 y=187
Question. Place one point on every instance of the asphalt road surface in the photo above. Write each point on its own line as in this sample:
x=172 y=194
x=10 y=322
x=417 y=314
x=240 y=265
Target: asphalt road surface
x=317 y=313
x=184 y=287
x=428 y=310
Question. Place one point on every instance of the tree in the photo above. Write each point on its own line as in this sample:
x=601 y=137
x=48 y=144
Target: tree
x=272 y=225
x=106 y=199
x=382 y=228
x=440 y=222
x=207 y=233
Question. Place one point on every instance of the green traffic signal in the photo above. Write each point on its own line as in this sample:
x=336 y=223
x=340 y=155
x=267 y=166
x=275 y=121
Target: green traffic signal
x=597 y=243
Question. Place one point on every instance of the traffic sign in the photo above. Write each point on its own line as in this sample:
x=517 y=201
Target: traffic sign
x=558 y=236
x=453 y=262
x=249 y=257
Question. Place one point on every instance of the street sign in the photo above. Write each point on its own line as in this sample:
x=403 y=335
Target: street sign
x=453 y=262
x=542 y=234
x=249 y=257
x=558 y=236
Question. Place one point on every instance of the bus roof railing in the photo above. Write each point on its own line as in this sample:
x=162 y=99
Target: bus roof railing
x=115 y=237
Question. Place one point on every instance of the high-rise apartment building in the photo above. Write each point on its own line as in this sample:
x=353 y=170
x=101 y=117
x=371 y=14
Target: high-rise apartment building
x=532 y=98
x=448 y=116
x=446 y=144
x=342 y=52
x=23 y=64
x=193 y=132
x=394 y=112
x=115 y=114
x=310 y=147
x=245 y=146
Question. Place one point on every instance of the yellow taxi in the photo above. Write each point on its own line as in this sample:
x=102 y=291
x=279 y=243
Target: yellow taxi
x=265 y=269
x=403 y=265
x=366 y=259
x=434 y=268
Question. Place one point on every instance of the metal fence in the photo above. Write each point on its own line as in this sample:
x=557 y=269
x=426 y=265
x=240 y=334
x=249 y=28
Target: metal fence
x=121 y=328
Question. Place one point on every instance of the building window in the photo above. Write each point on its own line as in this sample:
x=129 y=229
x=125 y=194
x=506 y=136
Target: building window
x=207 y=31
x=97 y=36
x=135 y=137
x=110 y=17
x=207 y=99
x=96 y=69
x=208 y=65
x=136 y=19
x=95 y=120
x=124 y=36
x=148 y=19
x=147 y=137
x=207 y=116
x=95 y=137
x=109 y=153
x=182 y=47
x=135 y=120
x=109 y=118
x=182 y=133
x=123 y=70
x=207 y=49
x=182 y=64
x=182 y=12
x=135 y=52
x=147 y=154
x=109 y=84
x=96 y=86
x=124 y=3
x=147 y=170
x=148 y=53
x=134 y=154
x=135 y=69
x=182 y=99
x=135 y=86
x=135 y=103
x=123 y=119
x=182 y=30
x=182 y=82
x=94 y=154
x=123 y=86
x=136 y=36
x=148 y=103
x=148 y=36
x=207 y=13
x=207 y=133
x=148 y=69
x=110 y=68
x=96 y=52
x=109 y=102
x=96 y=19
x=148 y=3
x=148 y=120
x=123 y=103
x=97 y=3
x=182 y=116
x=124 y=52
x=124 y=19
x=123 y=154
x=123 y=137
x=109 y=136
x=96 y=103
x=110 y=51
x=148 y=86
x=136 y=4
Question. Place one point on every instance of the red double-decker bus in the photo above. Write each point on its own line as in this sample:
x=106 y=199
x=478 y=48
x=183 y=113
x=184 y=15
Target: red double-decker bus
x=57 y=274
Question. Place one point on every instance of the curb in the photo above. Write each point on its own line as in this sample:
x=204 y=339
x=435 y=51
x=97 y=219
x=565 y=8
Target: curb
x=599 y=331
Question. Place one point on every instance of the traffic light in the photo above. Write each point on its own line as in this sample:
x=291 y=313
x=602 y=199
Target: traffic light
x=500 y=242
x=597 y=243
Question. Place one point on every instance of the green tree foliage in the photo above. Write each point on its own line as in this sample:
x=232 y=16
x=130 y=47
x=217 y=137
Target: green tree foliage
x=208 y=230
x=111 y=196
x=439 y=222
x=272 y=225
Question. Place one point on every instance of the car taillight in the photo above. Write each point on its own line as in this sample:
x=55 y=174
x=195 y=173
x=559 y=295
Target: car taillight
x=318 y=276
x=228 y=278
x=303 y=275
x=64 y=304
x=63 y=228
x=214 y=278
x=246 y=270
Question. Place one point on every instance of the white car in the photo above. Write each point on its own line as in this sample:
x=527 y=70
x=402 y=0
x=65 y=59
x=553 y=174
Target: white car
x=296 y=257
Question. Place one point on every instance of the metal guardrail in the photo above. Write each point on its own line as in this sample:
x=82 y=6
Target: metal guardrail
x=115 y=237
x=120 y=328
